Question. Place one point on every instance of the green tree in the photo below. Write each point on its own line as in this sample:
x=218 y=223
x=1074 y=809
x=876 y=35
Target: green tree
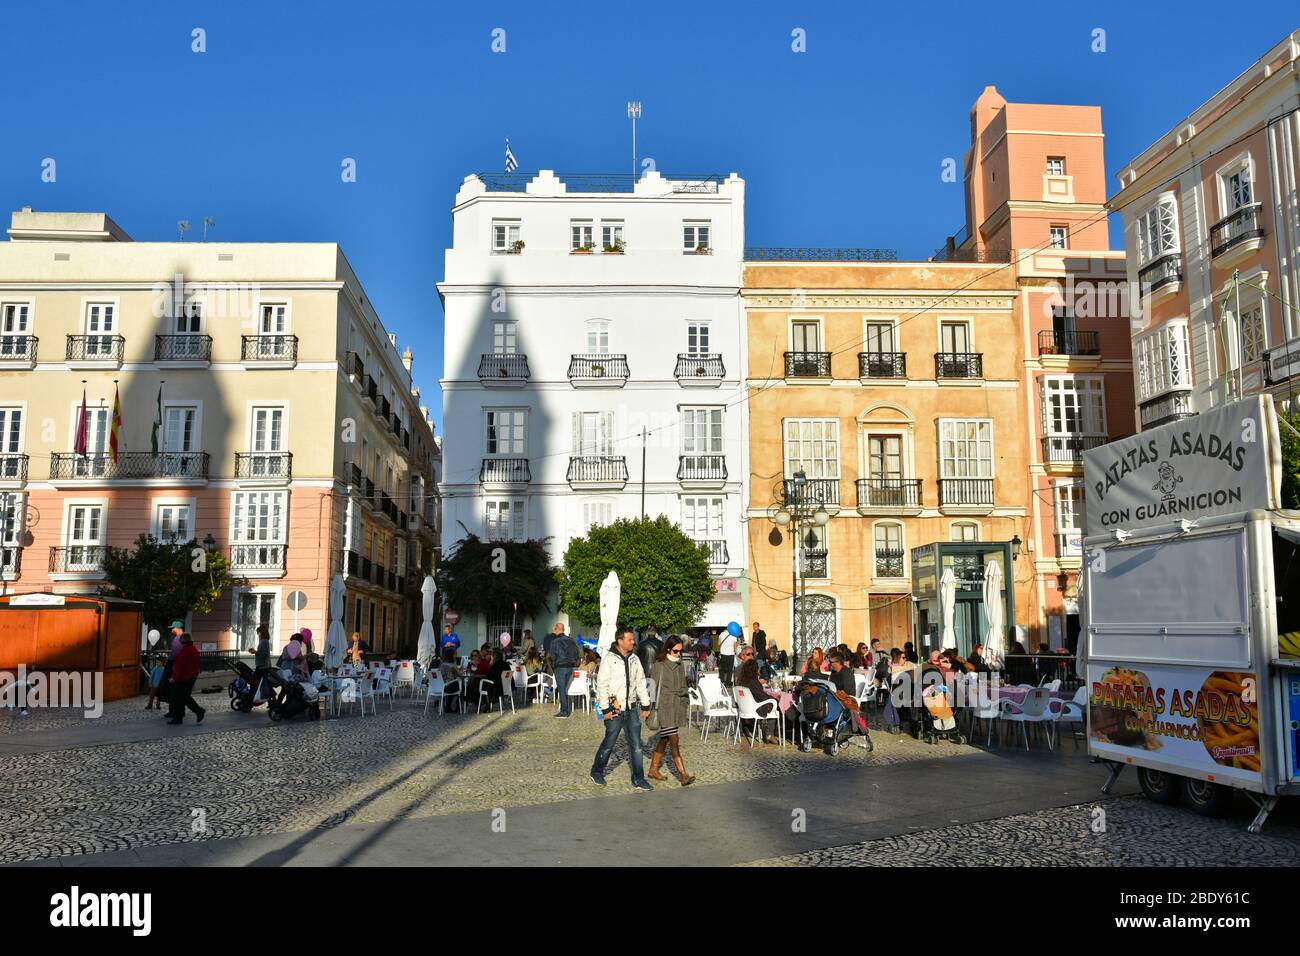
x=664 y=574
x=169 y=578
x=1290 y=459
x=486 y=577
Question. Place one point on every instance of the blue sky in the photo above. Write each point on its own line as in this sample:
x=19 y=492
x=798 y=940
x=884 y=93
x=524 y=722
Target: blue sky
x=841 y=145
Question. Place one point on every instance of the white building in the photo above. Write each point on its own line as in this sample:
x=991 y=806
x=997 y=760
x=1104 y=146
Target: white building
x=588 y=319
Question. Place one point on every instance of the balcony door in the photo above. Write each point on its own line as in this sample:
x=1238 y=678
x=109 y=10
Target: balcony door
x=96 y=460
x=886 y=454
x=85 y=537
x=101 y=323
x=805 y=336
x=954 y=338
x=593 y=434
x=253 y=609
x=179 y=439
x=11 y=441
x=266 y=441
x=14 y=329
x=880 y=337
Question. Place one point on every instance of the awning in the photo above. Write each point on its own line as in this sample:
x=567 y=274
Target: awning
x=723 y=609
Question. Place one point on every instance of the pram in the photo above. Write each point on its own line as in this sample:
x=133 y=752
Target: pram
x=243 y=689
x=938 y=722
x=823 y=720
x=293 y=697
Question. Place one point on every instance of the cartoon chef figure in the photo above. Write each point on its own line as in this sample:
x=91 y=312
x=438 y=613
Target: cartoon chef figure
x=1169 y=480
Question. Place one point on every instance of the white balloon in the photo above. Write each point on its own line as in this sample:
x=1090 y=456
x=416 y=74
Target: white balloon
x=153 y=637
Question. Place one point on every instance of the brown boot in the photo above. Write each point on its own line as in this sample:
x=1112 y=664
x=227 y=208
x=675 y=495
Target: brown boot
x=685 y=778
x=655 y=759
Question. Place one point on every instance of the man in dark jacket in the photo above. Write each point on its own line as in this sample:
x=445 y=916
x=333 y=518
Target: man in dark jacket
x=185 y=671
x=564 y=658
x=759 y=637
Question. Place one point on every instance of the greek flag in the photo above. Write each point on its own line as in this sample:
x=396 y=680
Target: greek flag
x=511 y=163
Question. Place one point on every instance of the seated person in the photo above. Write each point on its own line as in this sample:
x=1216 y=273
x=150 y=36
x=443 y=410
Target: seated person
x=449 y=672
x=842 y=675
x=747 y=677
x=532 y=663
x=977 y=661
x=590 y=663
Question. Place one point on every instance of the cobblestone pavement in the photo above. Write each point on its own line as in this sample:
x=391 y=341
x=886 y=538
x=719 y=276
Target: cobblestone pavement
x=1137 y=833
x=300 y=775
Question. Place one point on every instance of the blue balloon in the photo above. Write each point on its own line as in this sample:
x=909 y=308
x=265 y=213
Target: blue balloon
x=733 y=629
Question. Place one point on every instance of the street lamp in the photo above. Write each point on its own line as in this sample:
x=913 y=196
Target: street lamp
x=797 y=509
x=209 y=543
x=1015 y=548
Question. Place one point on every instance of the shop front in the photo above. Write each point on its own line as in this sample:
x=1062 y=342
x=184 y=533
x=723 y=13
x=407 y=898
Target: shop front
x=969 y=562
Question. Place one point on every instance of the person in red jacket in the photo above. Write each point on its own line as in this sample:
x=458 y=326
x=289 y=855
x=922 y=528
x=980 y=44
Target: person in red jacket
x=185 y=671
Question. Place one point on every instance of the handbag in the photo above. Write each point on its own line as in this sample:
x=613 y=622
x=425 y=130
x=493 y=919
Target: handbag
x=652 y=722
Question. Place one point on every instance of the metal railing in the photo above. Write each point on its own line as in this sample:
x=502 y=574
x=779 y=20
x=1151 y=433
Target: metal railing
x=372 y=391
x=13 y=467
x=264 y=464
x=816 y=491
x=717 y=551
x=807 y=364
x=815 y=562
x=505 y=367
x=698 y=366
x=1038 y=669
x=11 y=560
x=1060 y=342
x=77 y=558
x=602 y=468
x=1166 y=408
x=257 y=557
x=268 y=348
x=505 y=471
x=965 y=491
x=882 y=364
x=958 y=364
x=889 y=563
x=944 y=254
x=182 y=348
x=1069 y=449
x=702 y=468
x=129 y=464
x=602 y=182
x=818 y=254
x=598 y=366
x=889 y=492
x=1235 y=228
x=352 y=473
x=383 y=407
x=355 y=366
x=18 y=348
x=95 y=348
x=1161 y=272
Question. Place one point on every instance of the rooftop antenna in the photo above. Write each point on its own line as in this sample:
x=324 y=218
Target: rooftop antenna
x=208 y=222
x=633 y=111
x=184 y=226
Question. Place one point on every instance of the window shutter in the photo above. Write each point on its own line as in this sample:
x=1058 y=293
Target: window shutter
x=576 y=420
x=606 y=433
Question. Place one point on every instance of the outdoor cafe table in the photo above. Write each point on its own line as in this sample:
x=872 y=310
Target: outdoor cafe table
x=1017 y=695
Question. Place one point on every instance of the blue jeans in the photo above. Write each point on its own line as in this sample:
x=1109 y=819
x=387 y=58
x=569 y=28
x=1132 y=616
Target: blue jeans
x=628 y=724
x=563 y=677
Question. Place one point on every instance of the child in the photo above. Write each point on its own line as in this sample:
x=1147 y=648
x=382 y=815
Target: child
x=155 y=681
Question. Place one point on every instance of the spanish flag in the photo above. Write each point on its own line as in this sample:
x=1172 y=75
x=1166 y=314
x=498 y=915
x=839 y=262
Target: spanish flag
x=115 y=431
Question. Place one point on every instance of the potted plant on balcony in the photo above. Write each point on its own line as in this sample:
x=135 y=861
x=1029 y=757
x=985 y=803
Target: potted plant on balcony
x=598 y=371
x=702 y=249
x=517 y=247
x=616 y=248
x=582 y=250
x=1050 y=349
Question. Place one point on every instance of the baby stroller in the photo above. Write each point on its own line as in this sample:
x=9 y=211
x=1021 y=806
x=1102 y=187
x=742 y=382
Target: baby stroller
x=938 y=722
x=243 y=689
x=823 y=720
x=292 y=698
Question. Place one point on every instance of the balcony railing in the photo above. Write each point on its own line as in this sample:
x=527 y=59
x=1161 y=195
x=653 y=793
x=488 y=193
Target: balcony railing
x=77 y=558
x=1161 y=272
x=95 y=348
x=352 y=474
x=698 y=367
x=889 y=492
x=717 y=552
x=352 y=563
x=18 y=348
x=958 y=364
x=13 y=468
x=1059 y=342
x=1166 y=408
x=355 y=366
x=966 y=491
x=264 y=464
x=702 y=468
x=372 y=391
x=512 y=367
x=505 y=471
x=1236 y=228
x=882 y=364
x=257 y=557
x=182 y=348
x=269 y=348
x=815 y=563
x=385 y=409
x=605 y=469
x=889 y=563
x=816 y=491
x=597 y=366
x=813 y=254
x=1069 y=449
x=11 y=560
x=130 y=464
x=807 y=364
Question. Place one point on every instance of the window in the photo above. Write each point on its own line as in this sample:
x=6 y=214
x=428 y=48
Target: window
x=889 y=550
x=179 y=432
x=1058 y=237
x=965 y=448
x=580 y=234
x=503 y=519
x=101 y=317
x=11 y=440
x=505 y=337
x=1073 y=405
x=597 y=512
x=1056 y=165
x=954 y=338
x=598 y=337
x=96 y=461
x=506 y=432
x=15 y=327
x=267 y=432
x=702 y=431
x=812 y=445
x=593 y=433
x=173 y=522
x=190 y=319
x=805 y=336
x=695 y=236
x=1069 y=509
x=885 y=456
x=85 y=537
x=964 y=531
x=258 y=517
x=697 y=338
x=12 y=511
x=879 y=337
x=1253 y=341
x=702 y=519
x=1163 y=361
x=1237 y=191
x=504 y=235
x=1157 y=230
x=275 y=318
x=611 y=235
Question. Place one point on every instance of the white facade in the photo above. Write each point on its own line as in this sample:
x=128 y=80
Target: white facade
x=573 y=322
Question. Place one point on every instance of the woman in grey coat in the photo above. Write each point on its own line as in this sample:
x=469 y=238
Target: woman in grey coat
x=672 y=703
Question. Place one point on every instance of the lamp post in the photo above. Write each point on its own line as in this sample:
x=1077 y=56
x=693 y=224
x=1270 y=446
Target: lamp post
x=798 y=509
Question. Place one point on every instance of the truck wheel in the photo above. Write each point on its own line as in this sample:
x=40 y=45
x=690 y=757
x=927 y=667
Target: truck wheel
x=1207 y=799
x=1160 y=787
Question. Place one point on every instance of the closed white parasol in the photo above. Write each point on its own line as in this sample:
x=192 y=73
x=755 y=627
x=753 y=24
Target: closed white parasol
x=948 y=607
x=427 y=648
x=611 y=593
x=336 y=641
x=995 y=641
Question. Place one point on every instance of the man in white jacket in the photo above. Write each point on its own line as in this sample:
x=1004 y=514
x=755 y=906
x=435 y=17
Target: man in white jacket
x=620 y=684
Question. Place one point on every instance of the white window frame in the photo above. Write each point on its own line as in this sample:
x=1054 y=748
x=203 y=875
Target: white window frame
x=6 y=429
x=1058 y=237
x=591 y=504
x=518 y=519
x=948 y=464
x=824 y=463
x=952 y=529
x=715 y=517
x=252 y=409
x=285 y=304
x=1092 y=419
x=13 y=538
x=597 y=328
x=276 y=536
x=696 y=233
x=65 y=532
x=877 y=526
x=521 y=439
x=611 y=233
x=1055 y=165
x=582 y=232
x=693 y=417
x=875 y=320
x=699 y=331
x=1067 y=501
x=822 y=542
x=505 y=337
x=1241 y=163
x=103 y=350
x=511 y=232
x=1163 y=359
x=29 y=329
x=1157 y=230
x=155 y=518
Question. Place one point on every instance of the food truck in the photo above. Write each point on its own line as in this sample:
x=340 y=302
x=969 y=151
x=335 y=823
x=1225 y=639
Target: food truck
x=1191 y=610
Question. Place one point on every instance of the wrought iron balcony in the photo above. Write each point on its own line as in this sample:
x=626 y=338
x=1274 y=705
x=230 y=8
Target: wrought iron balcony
x=268 y=348
x=189 y=465
x=372 y=391
x=889 y=563
x=384 y=408
x=353 y=365
x=13 y=468
x=892 y=494
x=1055 y=342
x=11 y=560
x=882 y=365
x=1241 y=226
x=717 y=552
x=352 y=563
x=958 y=364
x=18 y=348
x=182 y=348
x=977 y=492
x=1161 y=272
x=815 y=491
x=95 y=348
x=505 y=471
x=507 y=368
x=699 y=367
x=367 y=570
x=812 y=254
x=352 y=475
x=597 y=469
x=1167 y=408
x=257 y=557
x=702 y=468
x=517 y=182
x=807 y=364
x=264 y=464
x=77 y=558
x=1069 y=449
x=815 y=563
x=595 y=368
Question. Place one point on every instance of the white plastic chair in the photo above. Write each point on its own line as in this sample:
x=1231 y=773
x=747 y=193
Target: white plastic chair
x=382 y=685
x=716 y=704
x=864 y=690
x=1074 y=711
x=541 y=685
x=520 y=677
x=1051 y=685
x=694 y=702
x=580 y=686
x=1034 y=710
x=747 y=708
x=507 y=693
x=404 y=676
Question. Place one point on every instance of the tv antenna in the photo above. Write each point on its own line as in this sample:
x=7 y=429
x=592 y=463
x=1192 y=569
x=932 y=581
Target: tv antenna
x=184 y=226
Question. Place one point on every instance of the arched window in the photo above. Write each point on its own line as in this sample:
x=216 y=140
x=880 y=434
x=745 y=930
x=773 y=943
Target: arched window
x=965 y=531
x=814 y=624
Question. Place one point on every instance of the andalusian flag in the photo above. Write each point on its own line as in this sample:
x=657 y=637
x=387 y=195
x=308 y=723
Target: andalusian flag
x=157 y=423
x=115 y=429
x=80 y=444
